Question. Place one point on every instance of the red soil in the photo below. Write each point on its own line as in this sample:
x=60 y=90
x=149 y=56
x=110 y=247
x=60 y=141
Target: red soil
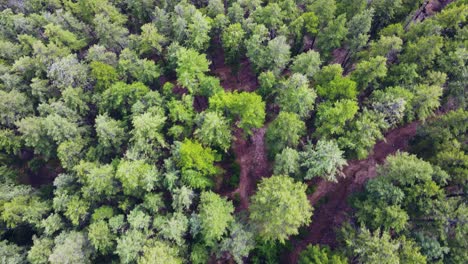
x=245 y=78
x=251 y=155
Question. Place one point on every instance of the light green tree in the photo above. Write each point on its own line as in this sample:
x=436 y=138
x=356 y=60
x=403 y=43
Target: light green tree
x=40 y=251
x=214 y=131
x=295 y=96
x=249 y=108
x=72 y=247
x=137 y=177
x=307 y=63
x=13 y=107
x=279 y=208
x=100 y=237
x=215 y=216
x=196 y=163
x=159 y=252
x=232 y=39
x=285 y=131
x=315 y=254
x=287 y=162
x=325 y=159
x=332 y=118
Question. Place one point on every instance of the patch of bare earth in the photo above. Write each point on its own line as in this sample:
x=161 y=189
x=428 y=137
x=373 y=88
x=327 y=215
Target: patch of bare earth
x=242 y=80
x=251 y=155
x=334 y=209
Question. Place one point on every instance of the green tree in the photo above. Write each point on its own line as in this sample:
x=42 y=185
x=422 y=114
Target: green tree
x=240 y=243
x=232 y=39
x=98 y=180
x=110 y=34
x=100 y=237
x=110 y=134
x=269 y=15
x=62 y=37
x=130 y=245
x=305 y=25
x=279 y=208
x=285 y=131
x=394 y=103
x=40 y=251
x=363 y=133
x=215 y=216
x=338 y=88
x=196 y=164
x=332 y=117
x=137 y=177
x=101 y=54
x=296 y=96
x=215 y=7
x=150 y=40
x=182 y=114
x=247 y=107
x=350 y=7
x=324 y=10
x=147 y=141
x=307 y=63
x=423 y=52
x=426 y=100
x=175 y=228
x=277 y=55
x=67 y=71
x=358 y=28
x=198 y=31
x=118 y=99
x=34 y=134
x=11 y=253
x=371 y=247
x=367 y=72
x=191 y=67
x=440 y=142
x=72 y=247
x=332 y=36
x=214 y=131
x=274 y=56
x=133 y=69
x=315 y=254
x=104 y=74
x=324 y=160
x=386 y=46
x=23 y=209
x=77 y=209
x=287 y=162
x=328 y=73
x=13 y=107
x=159 y=252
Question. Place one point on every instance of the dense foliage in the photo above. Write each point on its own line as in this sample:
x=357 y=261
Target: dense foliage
x=124 y=124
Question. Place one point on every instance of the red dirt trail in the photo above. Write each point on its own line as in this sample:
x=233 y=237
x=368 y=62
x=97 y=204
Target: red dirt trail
x=333 y=212
x=251 y=155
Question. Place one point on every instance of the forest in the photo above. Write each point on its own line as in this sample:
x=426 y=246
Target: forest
x=233 y=131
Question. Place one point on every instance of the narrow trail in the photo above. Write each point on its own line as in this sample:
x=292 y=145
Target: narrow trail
x=251 y=155
x=334 y=209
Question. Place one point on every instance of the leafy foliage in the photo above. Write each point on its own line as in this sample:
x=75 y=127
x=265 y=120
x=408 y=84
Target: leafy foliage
x=277 y=197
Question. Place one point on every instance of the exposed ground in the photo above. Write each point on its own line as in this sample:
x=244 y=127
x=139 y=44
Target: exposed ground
x=251 y=155
x=242 y=80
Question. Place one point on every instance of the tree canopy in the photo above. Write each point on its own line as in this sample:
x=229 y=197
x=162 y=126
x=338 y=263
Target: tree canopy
x=202 y=131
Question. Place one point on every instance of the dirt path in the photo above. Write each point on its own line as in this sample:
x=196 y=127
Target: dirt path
x=251 y=155
x=333 y=212
x=245 y=78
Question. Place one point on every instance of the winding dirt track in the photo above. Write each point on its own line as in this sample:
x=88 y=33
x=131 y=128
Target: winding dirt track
x=333 y=212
